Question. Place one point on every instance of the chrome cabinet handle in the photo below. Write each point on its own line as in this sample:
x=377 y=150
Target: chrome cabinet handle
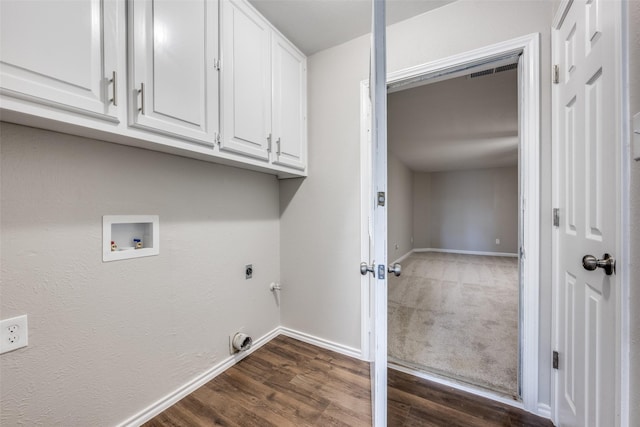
x=278 y=144
x=114 y=82
x=608 y=263
x=141 y=92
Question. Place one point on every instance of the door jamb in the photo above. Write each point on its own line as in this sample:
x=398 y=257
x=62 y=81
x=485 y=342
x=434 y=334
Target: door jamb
x=529 y=47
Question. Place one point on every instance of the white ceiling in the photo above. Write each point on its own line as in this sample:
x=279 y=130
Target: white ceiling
x=315 y=25
x=456 y=124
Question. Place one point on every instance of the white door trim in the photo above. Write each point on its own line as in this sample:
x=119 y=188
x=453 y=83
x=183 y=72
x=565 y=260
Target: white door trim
x=624 y=229
x=623 y=251
x=529 y=47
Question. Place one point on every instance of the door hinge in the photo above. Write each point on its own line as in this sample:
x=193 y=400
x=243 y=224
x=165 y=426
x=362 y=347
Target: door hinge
x=216 y=64
x=381 y=198
x=556 y=358
x=556 y=217
x=556 y=74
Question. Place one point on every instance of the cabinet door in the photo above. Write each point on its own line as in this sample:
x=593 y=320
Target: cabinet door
x=246 y=81
x=289 y=104
x=173 y=84
x=60 y=53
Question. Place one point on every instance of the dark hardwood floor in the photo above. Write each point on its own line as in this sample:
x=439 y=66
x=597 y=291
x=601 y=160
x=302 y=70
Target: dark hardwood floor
x=291 y=383
x=413 y=401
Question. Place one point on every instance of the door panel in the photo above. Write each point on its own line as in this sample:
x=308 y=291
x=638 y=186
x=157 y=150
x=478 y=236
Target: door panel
x=174 y=49
x=60 y=53
x=289 y=104
x=246 y=81
x=179 y=60
x=585 y=116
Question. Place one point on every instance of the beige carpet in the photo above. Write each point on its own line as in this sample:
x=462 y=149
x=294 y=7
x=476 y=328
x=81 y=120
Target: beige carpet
x=457 y=316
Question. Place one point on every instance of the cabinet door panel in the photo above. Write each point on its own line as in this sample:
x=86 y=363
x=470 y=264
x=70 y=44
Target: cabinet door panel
x=173 y=44
x=60 y=53
x=246 y=81
x=289 y=105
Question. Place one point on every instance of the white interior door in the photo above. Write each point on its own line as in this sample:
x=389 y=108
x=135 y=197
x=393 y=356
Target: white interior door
x=378 y=87
x=587 y=191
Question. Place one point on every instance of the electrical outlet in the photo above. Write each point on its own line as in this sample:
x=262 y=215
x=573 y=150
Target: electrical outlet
x=14 y=333
x=497 y=241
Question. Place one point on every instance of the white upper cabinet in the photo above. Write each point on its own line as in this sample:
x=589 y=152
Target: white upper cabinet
x=246 y=81
x=289 y=104
x=208 y=79
x=61 y=54
x=173 y=82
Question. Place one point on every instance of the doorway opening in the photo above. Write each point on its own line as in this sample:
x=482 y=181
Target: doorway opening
x=525 y=52
x=453 y=223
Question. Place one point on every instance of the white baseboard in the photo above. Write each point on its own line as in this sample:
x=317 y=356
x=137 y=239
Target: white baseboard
x=322 y=343
x=403 y=257
x=197 y=382
x=170 y=399
x=544 y=410
x=456 y=251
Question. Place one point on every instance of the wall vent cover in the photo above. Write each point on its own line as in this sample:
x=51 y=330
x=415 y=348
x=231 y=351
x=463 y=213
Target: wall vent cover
x=493 y=70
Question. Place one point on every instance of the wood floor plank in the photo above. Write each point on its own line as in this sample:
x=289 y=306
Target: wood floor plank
x=451 y=404
x=435 y=412
x=282 y=382
x=285 y=404
x=336 y=415
x=290 y=383
x=446 y=396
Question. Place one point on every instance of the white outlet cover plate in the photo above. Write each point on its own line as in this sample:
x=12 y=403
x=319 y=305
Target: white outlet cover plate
x=14 y=333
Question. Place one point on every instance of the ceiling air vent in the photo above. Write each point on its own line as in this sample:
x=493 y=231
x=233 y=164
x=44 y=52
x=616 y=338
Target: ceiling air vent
x=493 y=70
x=507 y=67
x=481 y=73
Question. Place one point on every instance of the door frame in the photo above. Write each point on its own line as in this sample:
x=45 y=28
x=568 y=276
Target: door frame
x=529 y=48
x=623 y=234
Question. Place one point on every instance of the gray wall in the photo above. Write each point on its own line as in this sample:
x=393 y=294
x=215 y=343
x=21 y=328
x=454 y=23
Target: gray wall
x=469 y=210
x=320 y=221
x=400 y=213
x=634 y=76
x=421 y=212
x=108 y=339
x=320 y=216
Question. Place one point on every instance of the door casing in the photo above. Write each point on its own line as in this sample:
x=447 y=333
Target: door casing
x=529 y=48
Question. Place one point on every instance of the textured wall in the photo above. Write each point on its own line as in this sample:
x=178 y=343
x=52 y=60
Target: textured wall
x=320 y=216
x=400 y=213
x=108 y=339
x=320 y=222
x=421 y=205
x=469 y=210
